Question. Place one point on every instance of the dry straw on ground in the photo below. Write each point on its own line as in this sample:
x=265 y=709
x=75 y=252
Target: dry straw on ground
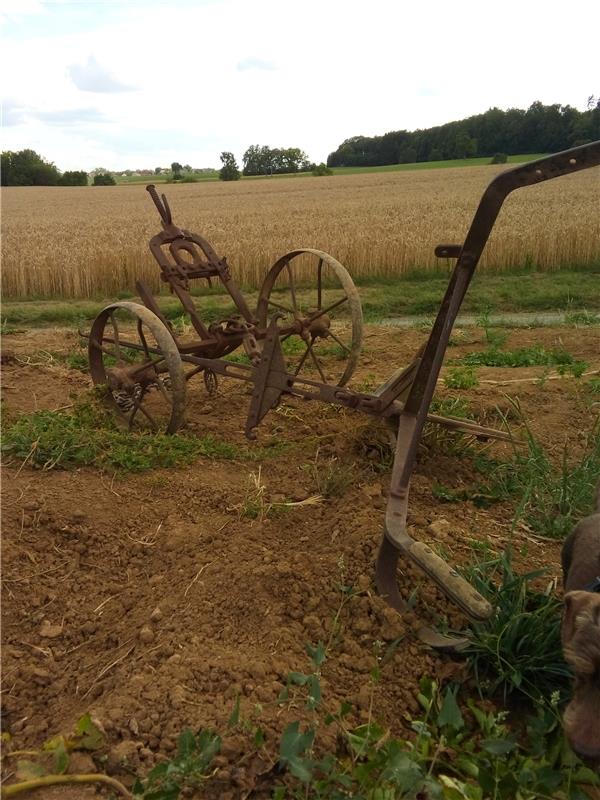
x=92 y=241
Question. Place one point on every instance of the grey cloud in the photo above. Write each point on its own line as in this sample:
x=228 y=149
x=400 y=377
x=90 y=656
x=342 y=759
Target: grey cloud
x=70 y=116
x=14 y=113
x=428 y=91
x=255 y=63
x=92 y=77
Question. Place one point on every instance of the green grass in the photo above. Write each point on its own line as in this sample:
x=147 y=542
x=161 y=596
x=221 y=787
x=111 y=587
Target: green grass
x=127 y=180
x=87 y=435
x=460 y=162
x=536 y=356
x=416 y=293
x=214 y=176
x=518 y=650
x=549 y=493
x=461 y=378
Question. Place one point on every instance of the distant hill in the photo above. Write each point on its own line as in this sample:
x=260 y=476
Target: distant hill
x=539 y=129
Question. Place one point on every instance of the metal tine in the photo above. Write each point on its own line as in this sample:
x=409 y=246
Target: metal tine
x=165 y=213
x=169 y=218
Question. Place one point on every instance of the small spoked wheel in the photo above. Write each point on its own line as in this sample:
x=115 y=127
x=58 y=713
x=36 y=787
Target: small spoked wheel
x=133 y=354
x=321 y=316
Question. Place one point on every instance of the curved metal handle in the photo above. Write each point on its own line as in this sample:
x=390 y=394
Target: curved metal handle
x=162 y=206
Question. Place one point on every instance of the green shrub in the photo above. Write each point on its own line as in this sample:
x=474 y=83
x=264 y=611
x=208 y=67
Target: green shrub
x=321 y=169
x=104 y=179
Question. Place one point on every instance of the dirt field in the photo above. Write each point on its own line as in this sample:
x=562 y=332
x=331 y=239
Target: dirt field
x=152 y=601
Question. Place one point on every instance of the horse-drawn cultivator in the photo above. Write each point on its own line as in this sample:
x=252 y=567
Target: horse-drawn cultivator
x=145 y=364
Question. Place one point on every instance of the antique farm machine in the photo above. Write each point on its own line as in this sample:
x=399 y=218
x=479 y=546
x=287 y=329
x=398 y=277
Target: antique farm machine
x=307 y=306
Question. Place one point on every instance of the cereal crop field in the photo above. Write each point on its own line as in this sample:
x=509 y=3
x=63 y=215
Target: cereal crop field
x=92 y=241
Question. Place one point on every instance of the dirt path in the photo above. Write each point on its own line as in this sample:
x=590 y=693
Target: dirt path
x=152 y=601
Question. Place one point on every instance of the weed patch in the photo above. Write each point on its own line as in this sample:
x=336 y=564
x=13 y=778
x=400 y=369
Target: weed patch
x=524 y=357
x=550 y=495
x=330 y=476
x=461 y=378
x=86 y=435
x=582 y=318
x=593 y=385
x=518 y=650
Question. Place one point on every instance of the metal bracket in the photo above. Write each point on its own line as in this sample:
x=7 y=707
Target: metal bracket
x=266 y=396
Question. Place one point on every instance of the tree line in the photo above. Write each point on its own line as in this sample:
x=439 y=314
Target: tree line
x=262 y=160
x=539 y=129
x=28 y=168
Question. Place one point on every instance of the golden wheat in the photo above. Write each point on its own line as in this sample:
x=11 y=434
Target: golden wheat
x=93 y=241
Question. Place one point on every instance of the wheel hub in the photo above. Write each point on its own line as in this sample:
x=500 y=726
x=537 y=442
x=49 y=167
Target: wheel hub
x=126 y=378
x=319 y=327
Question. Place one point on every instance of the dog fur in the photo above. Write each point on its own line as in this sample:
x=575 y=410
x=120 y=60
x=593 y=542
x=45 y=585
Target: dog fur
x=581 y=634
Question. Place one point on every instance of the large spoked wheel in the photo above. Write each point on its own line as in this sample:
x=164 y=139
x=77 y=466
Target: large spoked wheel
x=133 y=354
x=321 y=322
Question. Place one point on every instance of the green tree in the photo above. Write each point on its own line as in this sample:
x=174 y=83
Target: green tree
x=27 y=168
x=104 y=179
x=229 y=171
x=73 y=178
x=176 y=169
x=257 y=160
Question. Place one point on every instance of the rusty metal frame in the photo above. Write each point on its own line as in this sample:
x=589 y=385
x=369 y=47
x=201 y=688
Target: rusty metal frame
x=406 y=395
x=414 y=414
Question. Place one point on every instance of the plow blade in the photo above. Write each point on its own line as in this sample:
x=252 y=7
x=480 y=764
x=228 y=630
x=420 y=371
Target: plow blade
x=455 y=587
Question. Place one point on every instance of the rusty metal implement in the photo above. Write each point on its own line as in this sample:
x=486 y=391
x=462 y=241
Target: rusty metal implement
x=145 y=361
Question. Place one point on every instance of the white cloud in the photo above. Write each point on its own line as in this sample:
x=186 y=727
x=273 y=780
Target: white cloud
x=251 y=62
x=213 y=76
x=92 y=77
x=13 y=10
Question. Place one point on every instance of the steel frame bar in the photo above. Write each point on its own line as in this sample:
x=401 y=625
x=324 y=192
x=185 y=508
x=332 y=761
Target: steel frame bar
x=415 y=412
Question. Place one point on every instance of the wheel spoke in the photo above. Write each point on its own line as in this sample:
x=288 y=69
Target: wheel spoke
x=319 y=283
x=103 y=349
x=292 y=286
x=163 y=390
x=302 y=360
x=145 y=365
x=316 y=360
x=318 y=314
x=339 y=341
x=117 y=351
x=143 y=339
x=149 y=417
x=139 y=407
x=282 y=307
x=136 y=408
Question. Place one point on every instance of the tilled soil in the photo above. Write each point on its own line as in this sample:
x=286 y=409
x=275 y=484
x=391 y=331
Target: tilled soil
x=152 y=601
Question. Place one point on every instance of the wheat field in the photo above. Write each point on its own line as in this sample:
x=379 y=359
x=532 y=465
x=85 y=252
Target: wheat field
x=89 y=242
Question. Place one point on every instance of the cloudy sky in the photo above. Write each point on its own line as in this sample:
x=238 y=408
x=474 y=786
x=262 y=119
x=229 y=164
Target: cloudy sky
x=141 y=83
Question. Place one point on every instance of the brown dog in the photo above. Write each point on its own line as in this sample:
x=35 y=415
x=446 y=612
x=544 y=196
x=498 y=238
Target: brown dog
x=581 y=633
